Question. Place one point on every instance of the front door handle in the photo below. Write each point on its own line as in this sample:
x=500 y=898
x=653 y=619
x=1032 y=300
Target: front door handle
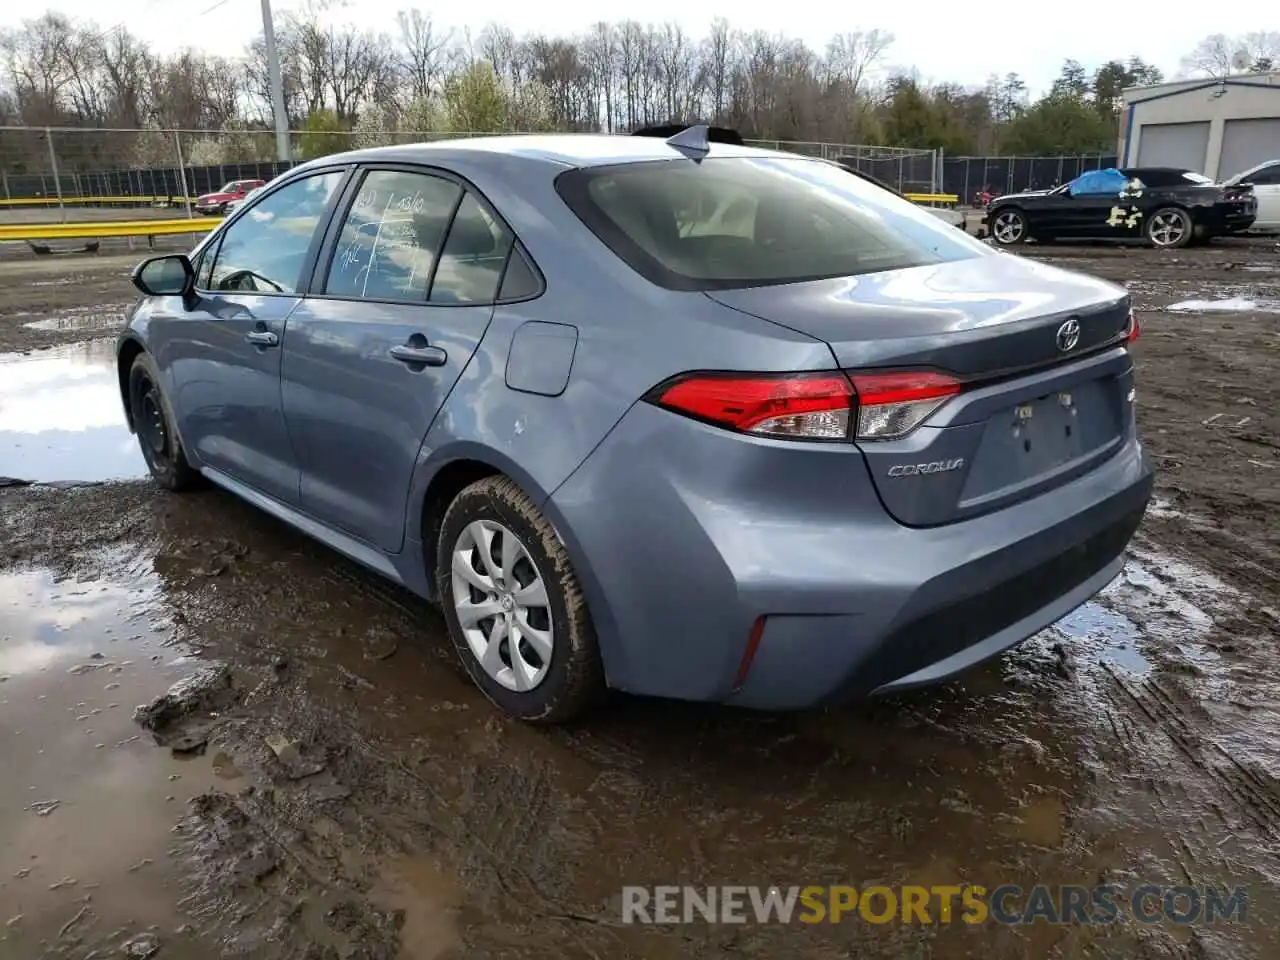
x=424 y=355
x=262 y=338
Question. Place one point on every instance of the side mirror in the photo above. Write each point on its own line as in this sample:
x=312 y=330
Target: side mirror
x=168 y=276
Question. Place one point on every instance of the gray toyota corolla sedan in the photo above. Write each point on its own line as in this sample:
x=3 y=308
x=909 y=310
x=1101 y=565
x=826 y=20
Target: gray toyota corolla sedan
x=679 y=418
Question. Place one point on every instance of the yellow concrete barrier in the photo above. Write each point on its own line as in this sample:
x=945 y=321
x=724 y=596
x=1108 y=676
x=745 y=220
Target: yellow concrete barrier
x=72 y=201
x=932 y=197
x=107 y=228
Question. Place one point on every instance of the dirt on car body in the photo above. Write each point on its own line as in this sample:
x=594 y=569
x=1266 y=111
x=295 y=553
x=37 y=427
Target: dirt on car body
x=310 y=774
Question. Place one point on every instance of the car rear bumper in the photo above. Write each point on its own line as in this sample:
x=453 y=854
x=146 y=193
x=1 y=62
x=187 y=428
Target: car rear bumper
x=684 y=536
x=1230 y=218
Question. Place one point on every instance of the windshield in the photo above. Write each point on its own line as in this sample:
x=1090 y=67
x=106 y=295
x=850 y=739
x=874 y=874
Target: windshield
x=1196 y=177
x=740 y=221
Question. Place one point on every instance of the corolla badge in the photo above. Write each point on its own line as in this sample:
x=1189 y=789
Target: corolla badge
x=1068 y=335
x=916 y=469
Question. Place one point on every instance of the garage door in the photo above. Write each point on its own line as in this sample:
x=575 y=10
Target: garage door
x=1182 y=145
x=1246 y=143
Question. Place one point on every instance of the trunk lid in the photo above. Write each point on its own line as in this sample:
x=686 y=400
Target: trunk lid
x=1035 y=412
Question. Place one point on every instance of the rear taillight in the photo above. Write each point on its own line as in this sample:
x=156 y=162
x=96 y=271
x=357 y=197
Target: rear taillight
x=1132 y=329
x=891 y=405
x=810 y=406
x=800 y=406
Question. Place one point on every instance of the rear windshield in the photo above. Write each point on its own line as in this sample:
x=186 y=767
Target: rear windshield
x=745 y=221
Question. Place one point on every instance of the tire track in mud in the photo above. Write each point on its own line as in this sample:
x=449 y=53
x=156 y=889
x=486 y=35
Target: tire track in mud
x=407 y=610
x=1250 y=791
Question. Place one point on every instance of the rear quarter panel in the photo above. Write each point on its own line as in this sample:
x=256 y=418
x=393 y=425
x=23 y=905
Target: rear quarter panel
x=631 y=335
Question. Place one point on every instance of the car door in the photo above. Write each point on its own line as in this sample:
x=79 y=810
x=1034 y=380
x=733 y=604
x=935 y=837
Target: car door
x=222 y=349
x=1088 y=211
x=403 y=293
x=1266 y=189
x=1047 y=216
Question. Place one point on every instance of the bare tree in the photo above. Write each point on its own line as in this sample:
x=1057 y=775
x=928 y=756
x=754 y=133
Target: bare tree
x=600 y=54
x=851 y=56
x=1217 y=55
x=422 y=53
x=348 y=84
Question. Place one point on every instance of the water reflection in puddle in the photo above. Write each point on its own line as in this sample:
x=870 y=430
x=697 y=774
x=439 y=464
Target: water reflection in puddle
x=1116 y=632
x=61 y=418
x=86 y=800
x=1160 y=593
x=81 y=319
x=1230 y=305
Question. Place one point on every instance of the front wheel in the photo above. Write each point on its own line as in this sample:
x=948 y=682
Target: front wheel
x=153 y=423
x=1009 y=227
x=1170 y=227
x=514 y=607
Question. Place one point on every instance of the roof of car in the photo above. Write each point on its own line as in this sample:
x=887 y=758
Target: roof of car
x=565 y=149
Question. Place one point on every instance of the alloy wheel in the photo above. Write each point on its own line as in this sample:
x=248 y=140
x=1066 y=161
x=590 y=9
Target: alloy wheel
x=1168 y=228
x=1009 y=227
x=501 y=603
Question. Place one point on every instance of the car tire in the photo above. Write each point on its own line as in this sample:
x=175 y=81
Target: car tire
x=1169 y=228
x=1014 y=223
x=550 y=680
x=153 y=424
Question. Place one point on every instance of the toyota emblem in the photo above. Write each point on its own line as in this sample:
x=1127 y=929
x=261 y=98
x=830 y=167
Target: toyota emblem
x=1069 y=335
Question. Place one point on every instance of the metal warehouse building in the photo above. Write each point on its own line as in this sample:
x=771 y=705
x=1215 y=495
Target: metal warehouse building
x=1217 y=127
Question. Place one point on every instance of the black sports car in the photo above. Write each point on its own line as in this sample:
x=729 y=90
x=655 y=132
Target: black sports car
x=1168 y=207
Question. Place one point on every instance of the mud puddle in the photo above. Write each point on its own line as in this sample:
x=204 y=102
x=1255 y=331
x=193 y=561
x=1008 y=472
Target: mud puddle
x=61 y=418
x=1228 y=305
x=394 y=812
x=87 y=800
x=90 y=319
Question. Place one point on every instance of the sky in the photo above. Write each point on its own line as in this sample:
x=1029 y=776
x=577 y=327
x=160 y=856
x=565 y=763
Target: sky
x=944 y=40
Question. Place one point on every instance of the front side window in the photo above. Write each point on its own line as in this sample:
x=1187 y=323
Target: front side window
x=391 y=236
x=264 y=250
x=740 y=221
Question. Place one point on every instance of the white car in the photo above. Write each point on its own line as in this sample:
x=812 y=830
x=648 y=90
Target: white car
x=1265 y=178
x=232 y=204
x=949 y=215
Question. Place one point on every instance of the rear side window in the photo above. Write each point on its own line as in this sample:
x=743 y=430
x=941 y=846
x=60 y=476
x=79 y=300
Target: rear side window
x=520 y=281
x=392 y=236
x=741 y=221
x=474 y=254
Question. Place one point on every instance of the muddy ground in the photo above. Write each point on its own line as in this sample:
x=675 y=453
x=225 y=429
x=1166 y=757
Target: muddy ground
x=341 y=790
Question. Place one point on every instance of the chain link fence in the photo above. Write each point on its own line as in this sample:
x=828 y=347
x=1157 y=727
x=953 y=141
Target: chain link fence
x=967 y=177
x=905 y=169
x=47 y=171
x=61 y=172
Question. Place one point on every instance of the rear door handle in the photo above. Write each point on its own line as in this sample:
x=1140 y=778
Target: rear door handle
x=426 y=355
x=262 y=338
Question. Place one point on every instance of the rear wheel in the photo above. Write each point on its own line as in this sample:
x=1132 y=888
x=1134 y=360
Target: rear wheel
x=1009 y=227
x=1170 y=227
x=153 y=424
x=514 y=607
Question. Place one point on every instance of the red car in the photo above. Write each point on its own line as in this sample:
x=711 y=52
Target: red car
x=217 y=202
